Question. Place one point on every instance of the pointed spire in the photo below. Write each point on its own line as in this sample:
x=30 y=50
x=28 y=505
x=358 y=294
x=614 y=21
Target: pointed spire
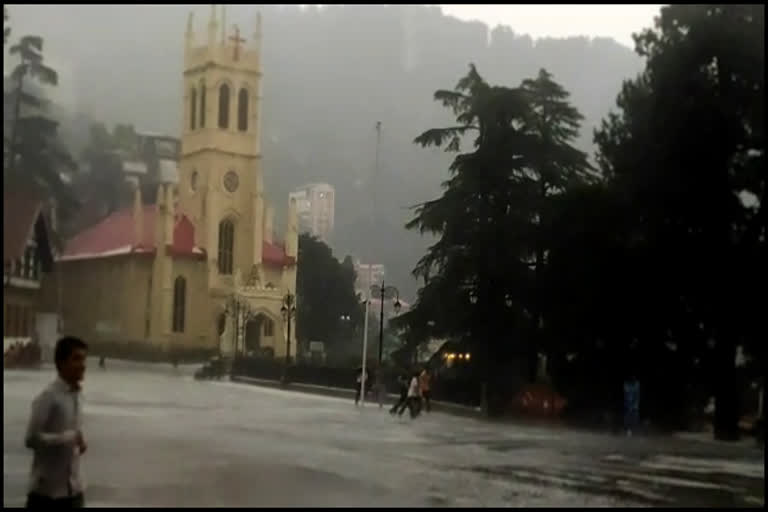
x=257 y=33
x=212 y=26
x=190 y=35
x=213 y=20
x=223 y=25
x=190 y=23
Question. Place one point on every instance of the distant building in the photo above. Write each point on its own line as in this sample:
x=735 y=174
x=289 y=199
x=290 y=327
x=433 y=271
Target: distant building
x=368 y=274
x=315 y=204
x=27 y=255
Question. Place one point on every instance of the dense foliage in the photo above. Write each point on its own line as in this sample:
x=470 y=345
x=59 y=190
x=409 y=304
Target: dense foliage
x=328 y=307
x=639 y=268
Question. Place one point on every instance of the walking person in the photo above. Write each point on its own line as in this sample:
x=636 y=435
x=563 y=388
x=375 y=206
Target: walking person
x=413 y=397
x=402 y=402
x=631 y=404
x=55 y=432
x=424 y=387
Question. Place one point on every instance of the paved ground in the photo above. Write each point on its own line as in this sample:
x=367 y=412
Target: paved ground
x=159 y=438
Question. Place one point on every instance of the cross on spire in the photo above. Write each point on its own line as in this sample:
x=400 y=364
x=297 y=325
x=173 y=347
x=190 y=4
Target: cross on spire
x=237 y=40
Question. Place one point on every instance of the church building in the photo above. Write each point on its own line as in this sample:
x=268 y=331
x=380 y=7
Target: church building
x=197 y=269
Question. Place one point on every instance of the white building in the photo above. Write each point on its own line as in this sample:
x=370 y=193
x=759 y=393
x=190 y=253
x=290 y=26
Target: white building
x=315 y=205
x=368 y=274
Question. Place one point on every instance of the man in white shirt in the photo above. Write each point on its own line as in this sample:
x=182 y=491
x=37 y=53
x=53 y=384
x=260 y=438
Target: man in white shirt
x=414 y=395
x=55 y=432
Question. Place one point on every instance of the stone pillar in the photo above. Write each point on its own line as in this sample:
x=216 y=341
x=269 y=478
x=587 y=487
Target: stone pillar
x=258 y=219
x=212 y=236
x=212 y=28
x=189 y=36
x=259 y=91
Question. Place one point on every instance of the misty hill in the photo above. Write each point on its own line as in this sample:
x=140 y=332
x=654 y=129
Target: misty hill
x=330 y=74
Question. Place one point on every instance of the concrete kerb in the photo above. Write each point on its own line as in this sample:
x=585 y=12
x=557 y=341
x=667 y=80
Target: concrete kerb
x=445 y=407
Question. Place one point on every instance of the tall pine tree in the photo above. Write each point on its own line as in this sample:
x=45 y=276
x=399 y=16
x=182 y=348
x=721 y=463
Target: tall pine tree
x=687 y=152
x=480 y=277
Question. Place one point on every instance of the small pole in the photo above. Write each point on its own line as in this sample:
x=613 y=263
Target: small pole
x=365 y=351
x=288 y=310
x=381 y=348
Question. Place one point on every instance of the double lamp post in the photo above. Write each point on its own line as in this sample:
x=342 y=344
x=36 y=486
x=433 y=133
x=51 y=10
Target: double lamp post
x=383 y=292
x=288 y=311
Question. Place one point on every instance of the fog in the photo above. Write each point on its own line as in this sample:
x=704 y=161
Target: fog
x=329 y=75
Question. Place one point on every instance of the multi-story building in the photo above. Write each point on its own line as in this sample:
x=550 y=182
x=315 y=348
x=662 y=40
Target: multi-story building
x=315 y=208
x=368 y=274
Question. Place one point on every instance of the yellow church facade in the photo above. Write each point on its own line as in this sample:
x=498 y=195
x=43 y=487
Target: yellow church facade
x=200 y=269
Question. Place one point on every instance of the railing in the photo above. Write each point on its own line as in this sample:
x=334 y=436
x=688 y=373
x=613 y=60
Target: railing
x=303 y=372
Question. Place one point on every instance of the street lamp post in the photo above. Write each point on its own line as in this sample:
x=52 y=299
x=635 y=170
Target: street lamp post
x=289 y=311
x=364 y=363
x=383 y=292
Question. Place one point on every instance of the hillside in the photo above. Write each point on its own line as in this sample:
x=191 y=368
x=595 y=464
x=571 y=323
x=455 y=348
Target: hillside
x=330 y=74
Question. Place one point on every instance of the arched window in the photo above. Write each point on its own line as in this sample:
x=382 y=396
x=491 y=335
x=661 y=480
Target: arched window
x=242 y=110
x=224 y=106
x=193 y=109
x=179 y=303
x=226 y=246
x=202 y=104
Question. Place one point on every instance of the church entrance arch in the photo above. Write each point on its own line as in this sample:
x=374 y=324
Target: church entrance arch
x=259 y=331
x=253 y=334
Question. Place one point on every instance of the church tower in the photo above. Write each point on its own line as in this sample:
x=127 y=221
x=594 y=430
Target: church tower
x=220 y=181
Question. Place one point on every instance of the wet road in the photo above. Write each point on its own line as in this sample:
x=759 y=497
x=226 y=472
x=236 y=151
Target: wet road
x=158 y=438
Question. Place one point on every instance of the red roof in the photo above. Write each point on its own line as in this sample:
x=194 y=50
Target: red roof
x=115 y=235
x=275 y=255
x=19 y=216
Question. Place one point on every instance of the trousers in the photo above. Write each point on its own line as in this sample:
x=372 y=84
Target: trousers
x=35 y=500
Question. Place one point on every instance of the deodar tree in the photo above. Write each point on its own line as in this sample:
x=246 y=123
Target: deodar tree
x=482 y=278
x=686 y=152
x=35 y=156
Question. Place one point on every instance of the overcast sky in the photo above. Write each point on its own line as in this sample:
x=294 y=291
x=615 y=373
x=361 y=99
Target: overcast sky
x=616 y=21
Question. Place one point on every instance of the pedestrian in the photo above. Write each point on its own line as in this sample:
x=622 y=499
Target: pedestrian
x=413 y=397
x=103 y=363
x=402 y=402
x=55 y=432
x=631 y=404
x=424 y=388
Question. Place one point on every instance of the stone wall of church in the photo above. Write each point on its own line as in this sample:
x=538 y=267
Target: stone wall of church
x=106 y=300
x=199 y=315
